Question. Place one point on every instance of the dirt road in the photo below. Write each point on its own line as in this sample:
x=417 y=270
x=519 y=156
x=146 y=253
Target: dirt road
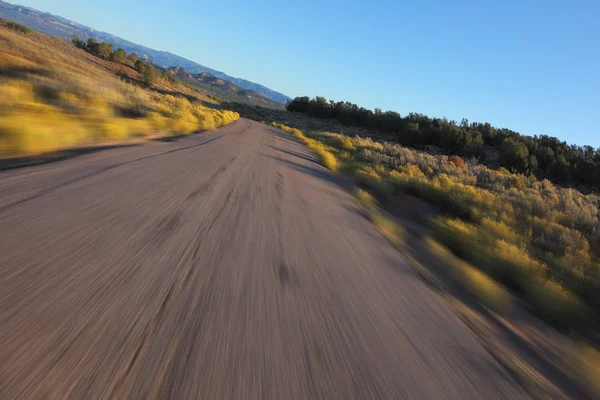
x=224 y=265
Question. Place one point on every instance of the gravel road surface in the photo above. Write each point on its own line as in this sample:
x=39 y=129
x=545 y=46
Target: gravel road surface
x=223 y=265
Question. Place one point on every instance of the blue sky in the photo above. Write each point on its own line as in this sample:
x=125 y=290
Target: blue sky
x=531 y=65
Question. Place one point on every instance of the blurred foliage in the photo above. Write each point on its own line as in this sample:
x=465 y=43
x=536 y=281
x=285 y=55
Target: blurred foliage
x=487 y=290
x=325 y=156
x=53 y=96
x=543 y=156
x=539 y=239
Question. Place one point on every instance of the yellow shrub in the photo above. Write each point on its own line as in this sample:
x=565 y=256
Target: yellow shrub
x=556 y=302
x=68 y=100
x=479 y=284
x=158 y=122
x=344 y=143
x=110 y=130
x=412 y=171
x=325 y=156
x=327 y=159
x=521 y=230
x=364 y=198
x=500 y=230
x=137 y=127
x=367 y=176
x=455 y=228
x=12 y=92
x=558 y=239
x=50 y=130
x=504 y=261
x=163 y=107
x=185 y=125
x=388 y=228
x=512 y=264
x=367 y=143
x=98 y=107
x=80 y=102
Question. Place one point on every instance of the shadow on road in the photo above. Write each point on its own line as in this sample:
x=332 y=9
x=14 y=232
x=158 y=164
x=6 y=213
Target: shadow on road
x=101 y=170
x=59 y=155
x=309 y=158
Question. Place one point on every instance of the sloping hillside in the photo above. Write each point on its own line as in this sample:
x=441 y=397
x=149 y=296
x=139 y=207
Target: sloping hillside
x=223 y=89
x=64 y=29
x=55 y=96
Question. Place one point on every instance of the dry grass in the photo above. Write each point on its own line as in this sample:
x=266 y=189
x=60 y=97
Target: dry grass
x=365 y=200
x=537 y=239
x=515 y=234
x=325 y=156
x=514 y=267
x=484 y=288
x=386 y=225
x=587 y=365
x=55 y=96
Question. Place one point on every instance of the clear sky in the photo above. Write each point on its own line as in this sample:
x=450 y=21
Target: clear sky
x=529 y=65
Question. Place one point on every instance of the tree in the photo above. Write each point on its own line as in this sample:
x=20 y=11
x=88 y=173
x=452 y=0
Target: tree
x=299 y=104
x=168 y=76
x=92 y=46
x=132 y=58
x=140 y=66
x=533 y=164
x=514 y=155
x=583 y=170
x=149 y=75
x=78 y=42
x=559 y=171
x=412 y=135
x=474 y=145
x=118 y=56
x=105 y=50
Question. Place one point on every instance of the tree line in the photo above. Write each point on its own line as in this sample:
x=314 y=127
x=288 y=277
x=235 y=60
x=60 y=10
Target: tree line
x=544 y=156
x=106 y=51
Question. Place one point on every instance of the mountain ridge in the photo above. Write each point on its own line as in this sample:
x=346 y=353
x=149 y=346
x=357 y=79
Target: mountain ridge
x=225 y=90
x=64 y=28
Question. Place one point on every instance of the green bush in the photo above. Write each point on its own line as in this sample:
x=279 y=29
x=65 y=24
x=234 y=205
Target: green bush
x=93 y=46
x=140 y=66
x=118 y=56
x=105 y=50
x=132 y=57
x=15 y=26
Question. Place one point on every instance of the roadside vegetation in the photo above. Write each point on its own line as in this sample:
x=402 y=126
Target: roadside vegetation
x=533 y=237
x=56 y=95
x=543 y=156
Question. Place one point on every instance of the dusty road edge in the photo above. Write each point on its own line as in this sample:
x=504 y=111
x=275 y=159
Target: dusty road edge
x=527 y=377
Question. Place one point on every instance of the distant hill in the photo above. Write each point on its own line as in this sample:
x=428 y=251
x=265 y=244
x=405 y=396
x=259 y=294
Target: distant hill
x=223 y=89
x=64 y=28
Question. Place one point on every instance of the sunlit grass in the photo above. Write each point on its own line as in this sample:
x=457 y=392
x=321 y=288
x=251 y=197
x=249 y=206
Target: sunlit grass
x=513 y=266
x=54 y=96
x=389 y=228
x=484 y=288
x=539 y=240
x=326 y=158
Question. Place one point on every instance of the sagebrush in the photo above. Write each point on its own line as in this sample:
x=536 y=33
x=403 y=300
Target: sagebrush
x=54 y=95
